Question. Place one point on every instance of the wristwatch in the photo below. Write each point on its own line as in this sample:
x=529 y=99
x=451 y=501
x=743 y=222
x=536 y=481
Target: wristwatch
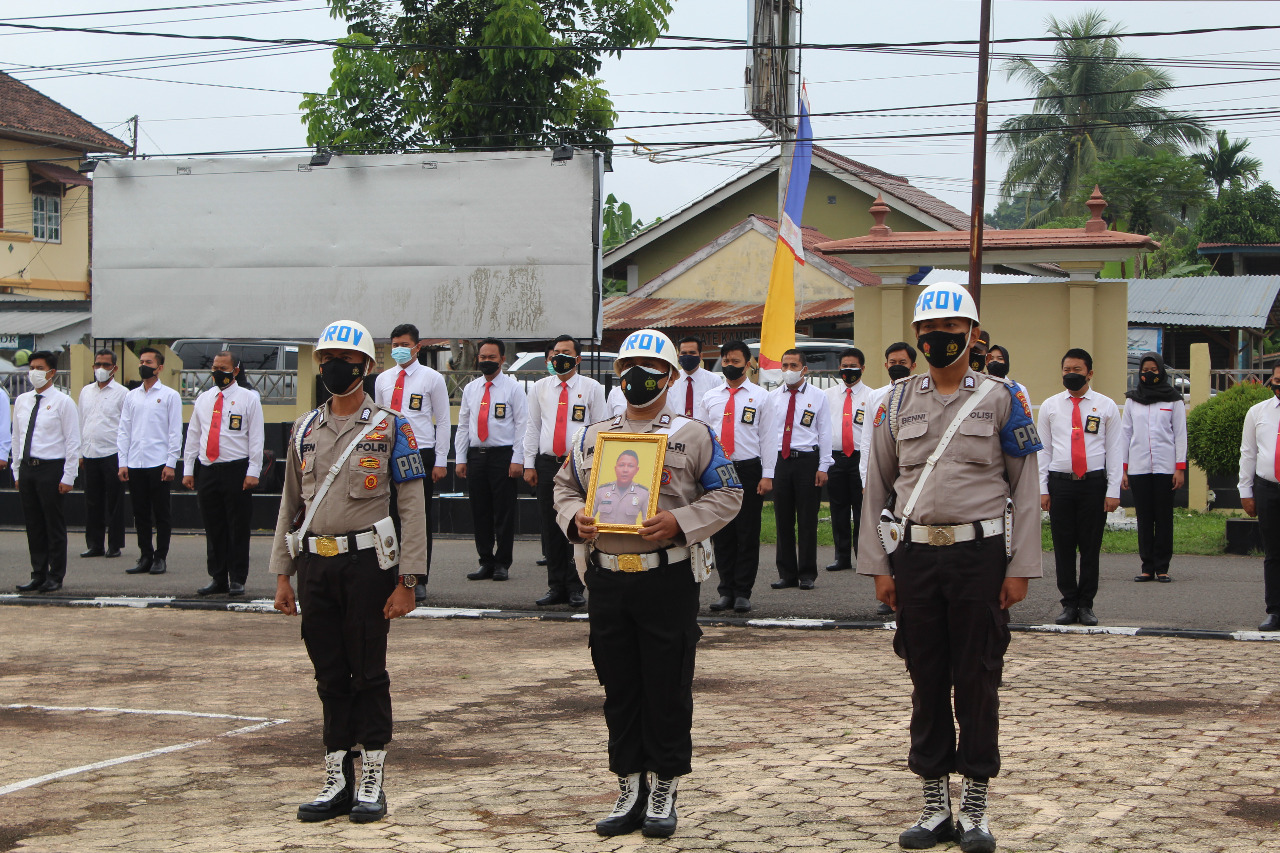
x=408 y=581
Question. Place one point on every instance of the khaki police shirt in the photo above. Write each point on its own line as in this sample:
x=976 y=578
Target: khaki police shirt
x=700 y=487
x=361 y=493
x=616 y=505
x=971 y=481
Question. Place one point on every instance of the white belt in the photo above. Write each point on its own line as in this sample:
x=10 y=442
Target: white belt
x=950 y=534
x=332 y=546
x=638 y=562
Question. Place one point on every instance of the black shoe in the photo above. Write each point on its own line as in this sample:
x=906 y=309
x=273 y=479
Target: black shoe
x=577 y=599
x=112 y=553
x=542 y=561
x=370 y=802
x=50 y=585
x=883 y=609
x=781 y=584
x=1086 y=617
x=806 y=584
x=1068 y=616
x=724 y=602
x=628 y=812
x=158 y=566
x=420 y=593
x=215 y=587
x=93 y=552
x=1142 y=578
x=839 y=567
x=339 y=789
x=35 y=583
x=742 y=604
x=553 y=596
x=234 y=588
x=660 y=816
x=500 y=573
x=481 y=574
x=1272 y=622
x=141 y=567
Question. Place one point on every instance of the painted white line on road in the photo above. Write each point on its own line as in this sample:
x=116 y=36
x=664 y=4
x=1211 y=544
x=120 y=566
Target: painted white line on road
x=1083 y=629
x=1264 y=636
x=790 y=622
x=449 y=612
x=580 y=616
x=157 y=712
x=120 y=601
x=258 y=605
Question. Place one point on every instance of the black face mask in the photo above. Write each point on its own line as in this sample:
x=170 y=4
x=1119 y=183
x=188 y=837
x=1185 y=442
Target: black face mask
x=561 y=363
x=640 y=385
x=223 y=378
x=977 y=361
x=488 y=368
x=1074 y=381
x=337 y=375
x=1275 y=388
x=732 y=372
x=899 y=371
x=146 y=371
x=689 y=362
x=942 y=349
x=851 y=375
x=998 y=369
x=1148 y=378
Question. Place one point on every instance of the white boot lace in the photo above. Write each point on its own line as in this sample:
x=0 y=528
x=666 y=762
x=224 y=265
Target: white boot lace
x=371 y=775
x=973 y=804
x=335 y=781
x=628 y=793
x=661 y=797
x=937 y=802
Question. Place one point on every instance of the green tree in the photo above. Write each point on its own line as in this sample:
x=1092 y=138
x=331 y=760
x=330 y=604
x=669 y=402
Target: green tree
x=1014 y=212
x=1176 y=257
x=1241 y=216
x=1226 y=162
x=1148 y=193
x=619 y=227
x=1214 y=428
x=1093 y=103
x=388 y=91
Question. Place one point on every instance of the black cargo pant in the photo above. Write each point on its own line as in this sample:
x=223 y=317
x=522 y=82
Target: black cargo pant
x=493 y=496
x=226 y=507
x=1266 y=496
x=103 y=504
x=844 y=488
x=1153 y=502
x=737 y=544
x=42 y=513
x=341 y=599
x=1077 y=518
x=643 y=637
x=795 y=505
x=953 y=636
x=561 y=572
x=150 y=497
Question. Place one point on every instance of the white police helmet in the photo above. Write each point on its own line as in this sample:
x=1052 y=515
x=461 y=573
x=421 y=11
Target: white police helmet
x=648 y=343
x=345 y=334
x=945 y=299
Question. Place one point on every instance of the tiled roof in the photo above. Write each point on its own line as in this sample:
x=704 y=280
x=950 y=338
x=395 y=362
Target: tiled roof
x=1204 y=246
x=58 y=174
x=1212 y=301
x=898 y=187
x=630 y=312
x=27 y=113
x=1021 y=238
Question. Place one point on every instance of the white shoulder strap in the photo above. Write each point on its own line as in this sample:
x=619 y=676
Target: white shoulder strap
x=972 y=403
x=337 y=466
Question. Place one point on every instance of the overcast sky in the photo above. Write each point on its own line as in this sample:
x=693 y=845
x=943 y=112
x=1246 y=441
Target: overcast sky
x=236 y=114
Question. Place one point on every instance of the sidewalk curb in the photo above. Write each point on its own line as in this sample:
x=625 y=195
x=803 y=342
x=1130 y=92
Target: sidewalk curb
x=264 y=605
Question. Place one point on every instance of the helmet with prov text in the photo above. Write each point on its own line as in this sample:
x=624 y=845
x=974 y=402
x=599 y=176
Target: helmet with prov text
x=648 y=343
x=345 y=334
x=945 y=299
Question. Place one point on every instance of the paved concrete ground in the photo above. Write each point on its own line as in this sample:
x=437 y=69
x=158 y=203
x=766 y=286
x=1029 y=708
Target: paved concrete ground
x=1210 y=593
x=1110 y=743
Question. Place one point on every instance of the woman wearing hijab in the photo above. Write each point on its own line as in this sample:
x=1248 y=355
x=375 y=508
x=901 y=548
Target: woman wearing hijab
x=998 y=365
x=1154 y=427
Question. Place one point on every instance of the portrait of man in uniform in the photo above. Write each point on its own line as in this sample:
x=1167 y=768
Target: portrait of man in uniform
x=622 y=503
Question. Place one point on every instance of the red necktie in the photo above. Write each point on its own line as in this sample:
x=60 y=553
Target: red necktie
x=399 y=392
x=1079 y=458
x=482 y=423
x=726 y=424
x=215 y=427
x=786 y=431
x=562 y=420
x=847 y=437
x=688 y=397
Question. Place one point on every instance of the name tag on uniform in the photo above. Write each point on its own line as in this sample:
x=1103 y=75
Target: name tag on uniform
x=748 y=415
x=807 y=418
x=859 y=416
x=1091 y=424
x=499 y=410
x=234 y=422
x=579 y=413
x=415 y=402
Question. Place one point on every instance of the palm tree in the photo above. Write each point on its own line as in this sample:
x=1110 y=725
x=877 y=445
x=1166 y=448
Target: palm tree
x=1093 y=104
x=1226 y=163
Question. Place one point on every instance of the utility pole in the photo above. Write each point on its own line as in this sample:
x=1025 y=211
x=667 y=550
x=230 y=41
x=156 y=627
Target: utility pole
x=979 y=158
x=133 y=147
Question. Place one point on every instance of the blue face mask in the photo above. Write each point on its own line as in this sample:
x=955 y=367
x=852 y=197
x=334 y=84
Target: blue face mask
x=551 y=369
x=402 y=355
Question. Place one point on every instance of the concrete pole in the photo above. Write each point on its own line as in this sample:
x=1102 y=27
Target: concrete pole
x=1197 y=479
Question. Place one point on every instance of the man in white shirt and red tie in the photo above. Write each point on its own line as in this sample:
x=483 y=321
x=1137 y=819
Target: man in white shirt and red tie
x=900 y=362
x=695 y=380
x=1260 y=489
x=735 y=412
x=419 y=394
x=222 y=461
x=46 y=454
x=850 y=407
x=100 y=403
x=559 y=406
x=1081 y=467
x=491 y=423
x=795 y=456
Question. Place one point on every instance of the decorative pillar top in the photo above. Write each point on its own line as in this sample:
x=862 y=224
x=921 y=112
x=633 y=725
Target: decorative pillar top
x=1096 y=205
x=879 y=210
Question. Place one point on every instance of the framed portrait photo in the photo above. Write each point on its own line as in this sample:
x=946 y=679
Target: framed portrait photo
x=625 y=477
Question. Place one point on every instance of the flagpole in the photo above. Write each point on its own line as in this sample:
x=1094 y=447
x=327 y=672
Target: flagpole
x=979 y=158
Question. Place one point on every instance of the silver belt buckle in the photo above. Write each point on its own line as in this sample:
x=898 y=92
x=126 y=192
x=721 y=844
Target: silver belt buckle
x=942 y=536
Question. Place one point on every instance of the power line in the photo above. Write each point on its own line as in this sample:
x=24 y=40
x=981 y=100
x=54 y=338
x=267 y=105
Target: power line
x=153 y=9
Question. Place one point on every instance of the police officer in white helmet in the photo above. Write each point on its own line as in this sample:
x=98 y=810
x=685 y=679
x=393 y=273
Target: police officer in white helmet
x=951 y=545
x=643 y=602
x=335 y=532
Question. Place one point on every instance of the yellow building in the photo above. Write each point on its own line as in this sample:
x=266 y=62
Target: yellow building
x=44 y=201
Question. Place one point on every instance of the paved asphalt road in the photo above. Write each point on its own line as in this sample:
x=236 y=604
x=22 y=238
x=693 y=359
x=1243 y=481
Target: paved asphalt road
x=1210 y=593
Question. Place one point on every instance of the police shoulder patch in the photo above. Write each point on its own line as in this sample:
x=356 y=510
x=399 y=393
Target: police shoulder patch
x=407 y=432
x=879 y=418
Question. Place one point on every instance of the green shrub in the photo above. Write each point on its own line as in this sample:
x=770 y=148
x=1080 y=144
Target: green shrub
x=1214 y=428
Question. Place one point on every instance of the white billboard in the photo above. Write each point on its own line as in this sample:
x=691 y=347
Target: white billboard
x=503 y=244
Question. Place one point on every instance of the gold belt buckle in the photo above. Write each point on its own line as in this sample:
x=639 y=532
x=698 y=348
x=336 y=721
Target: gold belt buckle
x=630 y=563
x=326 y=546
x=942 y=536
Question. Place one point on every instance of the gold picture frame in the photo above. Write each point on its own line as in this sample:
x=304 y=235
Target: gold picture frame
x=610 y=504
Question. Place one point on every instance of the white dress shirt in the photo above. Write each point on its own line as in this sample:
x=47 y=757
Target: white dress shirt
x=150 y=427
x=874 y=398
x=507 y=416
x=1103 y=437
x=860 y=412
x=6 y=428
x=1155 y=437
x=57 y=432
x=240 y=433
x=1257 y=444
x=617 y=402
x=586 y=406
x=424 y=402
x=811 y=406
x=749 y=403
x=702 y=380
x=100 y=418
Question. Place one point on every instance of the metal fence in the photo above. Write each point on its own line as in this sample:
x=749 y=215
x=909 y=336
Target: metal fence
x=15 y=382
x=274 y=386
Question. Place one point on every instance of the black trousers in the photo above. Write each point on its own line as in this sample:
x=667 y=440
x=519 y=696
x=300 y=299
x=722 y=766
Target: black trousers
x=493 y=503
x=737 y=544
x=341 y=599
x=1077 y=517
x=643 y=636
x=795 y=504
x=226 y=507
x=561 y=572
x=1266 y=496
x=42 y=512
x=953 y=636
x=103 y=504
x=150 y=497
x=844 y=488
x=429 y=485
x=1153 y=500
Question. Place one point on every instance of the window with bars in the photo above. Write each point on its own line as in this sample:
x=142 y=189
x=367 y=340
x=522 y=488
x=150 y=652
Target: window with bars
x=46 y=218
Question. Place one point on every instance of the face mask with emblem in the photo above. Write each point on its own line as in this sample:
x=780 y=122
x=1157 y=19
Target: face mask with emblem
x=942 y=349
x=640 y=384
x=851 y=375
x=338 y=376
x=562 y=363
x=223 y=378
x=977 y=361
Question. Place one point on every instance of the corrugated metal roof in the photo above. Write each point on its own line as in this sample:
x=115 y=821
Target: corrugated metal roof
x=39 y=322
x=1219 y=301
x=630 y=312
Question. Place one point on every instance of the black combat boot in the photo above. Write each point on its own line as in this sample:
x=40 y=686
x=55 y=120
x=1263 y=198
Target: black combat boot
x=370 y=803
x=339 y=787
x=975 y=836
x=934 y=824
x=628 y=811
